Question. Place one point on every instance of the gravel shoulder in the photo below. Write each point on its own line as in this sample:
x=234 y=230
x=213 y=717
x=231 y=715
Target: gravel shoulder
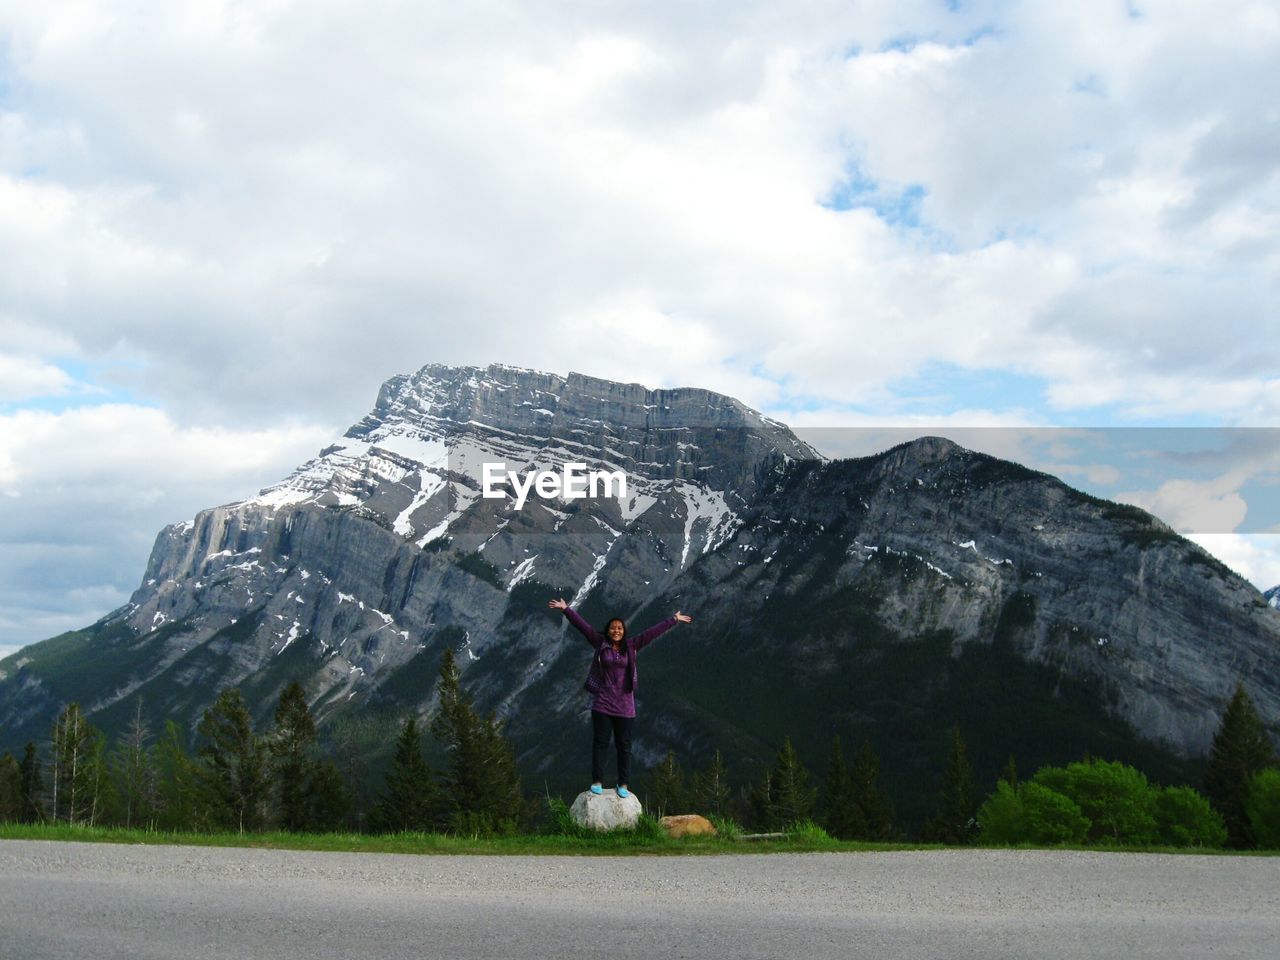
x=61 y=899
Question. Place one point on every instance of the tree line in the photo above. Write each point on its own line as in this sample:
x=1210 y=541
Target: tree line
x=1092 y=801
x=237 y=779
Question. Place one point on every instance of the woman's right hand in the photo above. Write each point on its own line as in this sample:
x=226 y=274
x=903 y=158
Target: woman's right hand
x=557 y=604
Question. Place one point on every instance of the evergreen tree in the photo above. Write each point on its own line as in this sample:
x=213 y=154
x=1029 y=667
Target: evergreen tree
x=482 y=787
x=954 y=822
x=180 y=798
x=874 y=818
x=135 y=767
x=352 y=739
x=329 y=801
x=32 y=786
x=293 y=761
x=234 y=773
x=760 y=803
x=410 y=798
x=841 y=816
x=10 y=789
x=666 y=793
x=104 y=802
x=790 y=796
x=711 y=788
x=1241 y=749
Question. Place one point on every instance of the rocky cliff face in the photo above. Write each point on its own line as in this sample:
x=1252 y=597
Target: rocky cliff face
x=885 y=598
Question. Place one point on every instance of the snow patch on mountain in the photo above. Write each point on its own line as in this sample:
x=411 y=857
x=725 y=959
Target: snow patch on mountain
x=706 y=508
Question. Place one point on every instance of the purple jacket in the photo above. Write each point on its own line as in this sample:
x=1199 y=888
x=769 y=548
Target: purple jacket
x=609 y=697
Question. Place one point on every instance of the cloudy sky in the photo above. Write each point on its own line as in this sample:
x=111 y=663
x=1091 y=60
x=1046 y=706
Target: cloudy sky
x=223 y=224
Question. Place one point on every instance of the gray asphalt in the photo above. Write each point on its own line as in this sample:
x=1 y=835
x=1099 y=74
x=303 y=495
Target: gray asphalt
x=68 y=900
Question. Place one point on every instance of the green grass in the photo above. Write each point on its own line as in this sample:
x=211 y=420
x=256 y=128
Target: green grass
x=638 y=843
x=622 y=843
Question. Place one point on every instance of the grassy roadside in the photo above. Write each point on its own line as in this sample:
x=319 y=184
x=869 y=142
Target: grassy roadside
x=618 y=844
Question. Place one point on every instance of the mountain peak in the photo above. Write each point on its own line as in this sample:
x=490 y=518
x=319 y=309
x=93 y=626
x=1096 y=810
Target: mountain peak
x=933 y=449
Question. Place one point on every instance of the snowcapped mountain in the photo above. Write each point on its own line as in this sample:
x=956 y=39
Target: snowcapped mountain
x=884 y=598
x=385 y=541
x=1272 y=596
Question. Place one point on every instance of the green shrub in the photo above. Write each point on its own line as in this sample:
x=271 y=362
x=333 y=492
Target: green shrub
x=1263 y=808
x=726 y=827
x=649 y=828
x=1115 y=798
x=560 y=822
x=1031 y=813
x=478 y=823
x=806 y=831
x=1185 y=819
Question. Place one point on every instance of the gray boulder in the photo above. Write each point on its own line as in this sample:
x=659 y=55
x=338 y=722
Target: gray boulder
x=605 y=811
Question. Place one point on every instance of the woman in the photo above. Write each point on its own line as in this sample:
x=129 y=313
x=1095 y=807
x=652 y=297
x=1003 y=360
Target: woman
x=612 y=683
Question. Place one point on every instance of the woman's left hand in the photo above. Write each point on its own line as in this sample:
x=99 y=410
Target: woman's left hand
x=683 y=618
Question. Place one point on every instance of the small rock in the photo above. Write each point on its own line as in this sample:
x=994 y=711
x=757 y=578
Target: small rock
x=605 y=811
x=688 y=825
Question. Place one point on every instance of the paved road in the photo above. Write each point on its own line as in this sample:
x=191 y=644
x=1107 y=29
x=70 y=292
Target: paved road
x=67 y=900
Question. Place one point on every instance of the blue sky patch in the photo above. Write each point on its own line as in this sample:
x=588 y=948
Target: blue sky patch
x=898 y=207
x=93 y=385
x=945 y=388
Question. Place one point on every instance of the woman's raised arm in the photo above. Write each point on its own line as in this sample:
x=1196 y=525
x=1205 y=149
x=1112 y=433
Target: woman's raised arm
x=594 y=636
x=647 y=637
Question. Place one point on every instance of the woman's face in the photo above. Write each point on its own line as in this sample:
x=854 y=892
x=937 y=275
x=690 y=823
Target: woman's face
x=614 y=631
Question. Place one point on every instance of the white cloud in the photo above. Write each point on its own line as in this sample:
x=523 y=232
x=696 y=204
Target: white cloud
x=23 y=378
x=260 y=206
x=252 y=214
x=86 y=491
x=1189 y=507
x=1255 y=556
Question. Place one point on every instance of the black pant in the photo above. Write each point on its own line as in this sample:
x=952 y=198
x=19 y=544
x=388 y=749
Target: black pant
x=602 y=725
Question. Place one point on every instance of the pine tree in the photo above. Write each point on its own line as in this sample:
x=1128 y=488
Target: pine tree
x=10 y=789
x=329 y=801
x=711 y=792
x=293 y=761
x=234 y=772
x=181 y=804
x=135 y=768
x=352 y=739
x=760 y=803
x=954 y=822
x=841 y=816
x=666 y=793
x=790 y=796
x=410 y=798
x=482 y=786
x=103 y=801
x=1241 y=748
x=32 y=786
x=875 y=811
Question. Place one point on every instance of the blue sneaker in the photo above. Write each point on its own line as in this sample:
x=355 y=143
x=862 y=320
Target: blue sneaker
x=597 y=789
x=623 y=792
